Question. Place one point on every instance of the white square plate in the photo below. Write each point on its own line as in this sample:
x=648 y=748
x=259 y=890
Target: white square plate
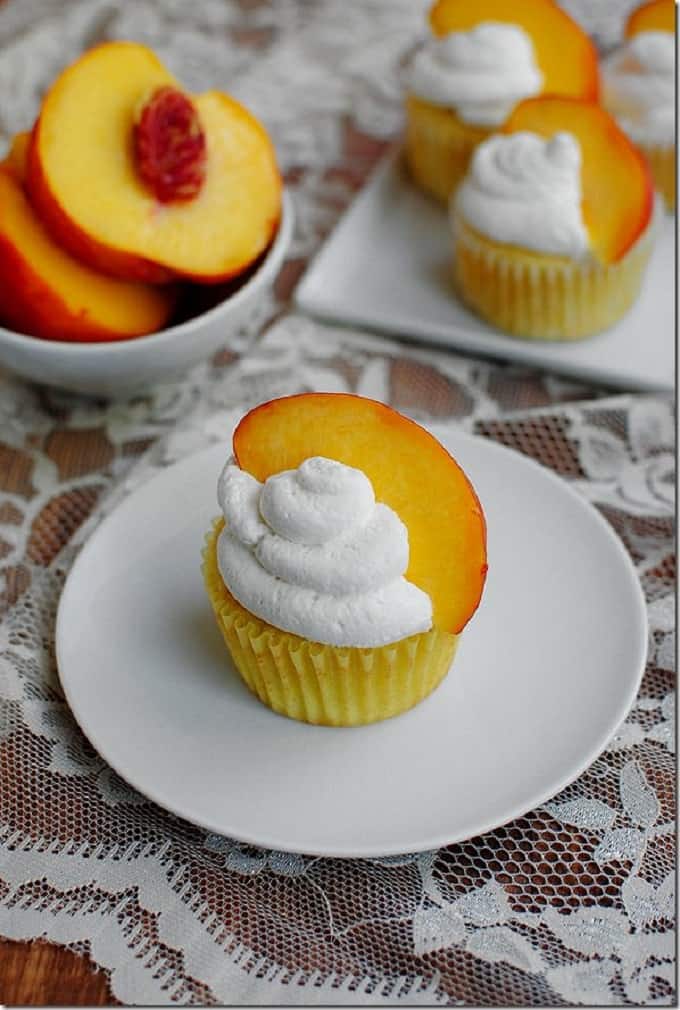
x=386 y=266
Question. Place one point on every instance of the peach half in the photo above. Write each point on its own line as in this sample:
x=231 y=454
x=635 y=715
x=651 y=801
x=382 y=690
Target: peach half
x=564 y=53
x=143 y=182
x=410 y=471
x=617 y=189
x=45 y=292
x=655 y=16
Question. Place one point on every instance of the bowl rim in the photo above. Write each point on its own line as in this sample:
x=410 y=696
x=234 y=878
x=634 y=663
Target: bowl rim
x=272 y=261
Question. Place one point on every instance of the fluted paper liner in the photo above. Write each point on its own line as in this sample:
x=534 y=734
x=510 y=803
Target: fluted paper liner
x=545 y=297
x=438 y=146
x=318 y=683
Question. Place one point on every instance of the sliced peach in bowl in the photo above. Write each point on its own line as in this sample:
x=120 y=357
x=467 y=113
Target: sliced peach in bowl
x=616 y=185
x=144 y=182
x=46 y=292
x=564 y=53
x=410 y=471
x=655 y=16
x=124 y=368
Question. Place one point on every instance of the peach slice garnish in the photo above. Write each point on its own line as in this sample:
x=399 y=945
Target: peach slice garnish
x=410 y=471
x=45 y=292
x=617 y=189
x=100 y=153
x=564 y=53
x=655 y=16
x=16 y=159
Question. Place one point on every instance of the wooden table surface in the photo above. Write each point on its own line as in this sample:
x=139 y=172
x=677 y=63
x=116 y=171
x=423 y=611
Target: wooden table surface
x=42 y=974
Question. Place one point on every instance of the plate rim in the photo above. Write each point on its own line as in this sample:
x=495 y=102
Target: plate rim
x=358 y=851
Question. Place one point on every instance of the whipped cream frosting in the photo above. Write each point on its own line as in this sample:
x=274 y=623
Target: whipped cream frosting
x=310 y=551
x=482 y=73
x=639 y=87
x=524 y=190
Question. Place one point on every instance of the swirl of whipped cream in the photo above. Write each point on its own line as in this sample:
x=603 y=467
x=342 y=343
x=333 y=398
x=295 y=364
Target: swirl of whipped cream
x=311 y=551
x=639 y=87
x=524 y=190
x=482 y=73
x=318 y=501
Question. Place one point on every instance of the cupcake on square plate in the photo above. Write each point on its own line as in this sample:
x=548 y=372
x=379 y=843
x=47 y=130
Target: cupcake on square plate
x=554 y=222
x=483 y=58
x=639 y=89
x=350 y=554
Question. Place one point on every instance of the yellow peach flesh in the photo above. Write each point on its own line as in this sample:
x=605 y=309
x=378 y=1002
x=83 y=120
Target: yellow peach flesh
x=84 y=148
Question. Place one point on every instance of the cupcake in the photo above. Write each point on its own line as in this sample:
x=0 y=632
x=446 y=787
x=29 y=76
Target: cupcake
x=639 y=89
x=553 y=224
x=350 y=554
x=483 y=58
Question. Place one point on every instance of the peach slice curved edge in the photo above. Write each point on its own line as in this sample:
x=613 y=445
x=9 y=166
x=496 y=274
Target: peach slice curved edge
x=410 y=471
x=47 y=293
x=655 y=16
x=564 y=53
x=618 y=195
x=86 y=184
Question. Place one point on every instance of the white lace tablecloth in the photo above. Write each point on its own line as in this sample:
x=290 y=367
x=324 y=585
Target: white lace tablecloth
x=572 y=903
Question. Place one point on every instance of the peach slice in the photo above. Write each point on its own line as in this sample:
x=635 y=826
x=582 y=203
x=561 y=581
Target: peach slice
x=410 y=471
x=45 y=292
x=564 y=53
x=655 y=16
x=617 y=189
x=16 y=158
x=142 y=182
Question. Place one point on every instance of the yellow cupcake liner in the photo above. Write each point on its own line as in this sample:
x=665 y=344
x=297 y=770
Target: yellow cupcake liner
x=318 y=683
x=662 y=165
x=545 y=297
x=438 y=146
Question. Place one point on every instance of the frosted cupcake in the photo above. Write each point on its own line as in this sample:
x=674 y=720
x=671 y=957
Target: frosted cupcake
x=317 y=584
x=484 y=58
x=553 y=224
x=639 y=89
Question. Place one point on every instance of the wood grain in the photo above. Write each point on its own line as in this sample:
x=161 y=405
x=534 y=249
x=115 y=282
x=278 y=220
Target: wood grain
x=42 y=974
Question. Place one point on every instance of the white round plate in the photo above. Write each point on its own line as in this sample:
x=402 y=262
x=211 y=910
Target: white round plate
x=545 y=673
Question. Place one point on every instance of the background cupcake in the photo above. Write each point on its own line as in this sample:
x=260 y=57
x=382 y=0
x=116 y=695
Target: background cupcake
x=639 y=89
x=482 y=59
x=337 y=608
x=553 y=222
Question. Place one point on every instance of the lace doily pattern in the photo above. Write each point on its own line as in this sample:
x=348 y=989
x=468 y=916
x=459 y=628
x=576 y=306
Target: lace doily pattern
x=572 y=904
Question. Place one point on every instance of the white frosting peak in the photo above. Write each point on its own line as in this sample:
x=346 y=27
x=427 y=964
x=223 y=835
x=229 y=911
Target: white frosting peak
x=524 y=190
x=481 y=73
x=639 y=87
x=318 y=501
x=311 y=552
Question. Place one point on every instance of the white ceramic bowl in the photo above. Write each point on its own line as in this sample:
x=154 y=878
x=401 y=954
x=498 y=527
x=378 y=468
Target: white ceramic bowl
x=127 y=366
